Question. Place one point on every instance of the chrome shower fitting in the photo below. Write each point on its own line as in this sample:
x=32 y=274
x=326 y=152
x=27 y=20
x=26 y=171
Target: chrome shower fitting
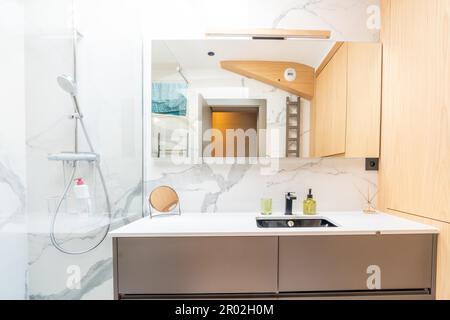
x=68 y=85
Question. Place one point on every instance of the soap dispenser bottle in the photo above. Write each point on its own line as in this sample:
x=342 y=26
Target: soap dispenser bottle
x=309 y=205
x=81 y=190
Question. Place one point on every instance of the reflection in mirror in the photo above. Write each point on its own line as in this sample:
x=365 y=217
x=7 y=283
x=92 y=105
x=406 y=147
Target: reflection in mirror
x=255 y=99
x=234 y=128
x=227 y=125
x=164 y=199
x=169 y=121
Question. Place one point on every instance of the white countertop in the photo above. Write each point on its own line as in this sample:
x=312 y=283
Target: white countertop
x=67 y=224
x=244 y=224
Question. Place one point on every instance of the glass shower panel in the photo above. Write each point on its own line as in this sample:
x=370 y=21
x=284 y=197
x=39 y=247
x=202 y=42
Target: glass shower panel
x=103 y=58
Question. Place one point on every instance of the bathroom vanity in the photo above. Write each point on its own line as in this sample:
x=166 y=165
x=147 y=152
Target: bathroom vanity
x=351 y=256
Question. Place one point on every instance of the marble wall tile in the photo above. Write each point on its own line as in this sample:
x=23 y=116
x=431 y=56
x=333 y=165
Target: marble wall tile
x=72 y=277
x=338 y=185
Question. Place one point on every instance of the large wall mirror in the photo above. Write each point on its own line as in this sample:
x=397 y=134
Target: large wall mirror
x=247 y=98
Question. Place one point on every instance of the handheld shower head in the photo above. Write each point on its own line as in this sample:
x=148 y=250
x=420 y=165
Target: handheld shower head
x=68 y=84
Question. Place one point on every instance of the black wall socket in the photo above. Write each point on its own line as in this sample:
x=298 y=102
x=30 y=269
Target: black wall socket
x=372 y=164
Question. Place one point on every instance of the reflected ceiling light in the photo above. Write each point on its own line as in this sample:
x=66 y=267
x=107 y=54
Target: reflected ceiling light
x=290 y=74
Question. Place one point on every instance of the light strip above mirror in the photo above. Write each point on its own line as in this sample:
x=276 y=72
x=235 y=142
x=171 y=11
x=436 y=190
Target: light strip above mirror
x=271 y=34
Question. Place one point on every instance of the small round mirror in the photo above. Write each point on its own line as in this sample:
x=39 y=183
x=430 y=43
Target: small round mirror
x=164 y=199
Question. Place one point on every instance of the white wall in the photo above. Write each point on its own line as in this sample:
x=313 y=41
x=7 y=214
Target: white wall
x=13 y=246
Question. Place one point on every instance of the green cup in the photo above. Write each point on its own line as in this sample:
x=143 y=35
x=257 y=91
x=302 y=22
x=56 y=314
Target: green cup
x=266 y=207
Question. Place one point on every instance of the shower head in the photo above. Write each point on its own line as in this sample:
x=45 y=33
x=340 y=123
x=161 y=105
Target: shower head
x=67 y=83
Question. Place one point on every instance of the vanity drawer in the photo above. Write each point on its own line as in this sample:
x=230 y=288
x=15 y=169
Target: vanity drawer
x=196 y=265
x=345 y=263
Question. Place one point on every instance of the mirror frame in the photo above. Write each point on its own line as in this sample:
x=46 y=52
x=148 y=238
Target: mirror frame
x=163 y=212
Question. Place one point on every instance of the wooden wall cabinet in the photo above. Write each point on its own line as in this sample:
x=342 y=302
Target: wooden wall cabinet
x=330 y=107
x=347 y=103
x=363 y=100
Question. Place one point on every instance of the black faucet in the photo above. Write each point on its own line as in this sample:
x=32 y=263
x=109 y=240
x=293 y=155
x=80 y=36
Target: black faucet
x=290 y=197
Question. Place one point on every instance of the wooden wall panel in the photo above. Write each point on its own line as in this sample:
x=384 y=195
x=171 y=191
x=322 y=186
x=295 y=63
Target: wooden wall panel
x=415 y=164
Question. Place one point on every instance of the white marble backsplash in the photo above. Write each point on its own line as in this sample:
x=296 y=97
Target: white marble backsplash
x=337 y=184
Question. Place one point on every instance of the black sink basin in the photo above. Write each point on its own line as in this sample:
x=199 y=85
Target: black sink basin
x=294 y=223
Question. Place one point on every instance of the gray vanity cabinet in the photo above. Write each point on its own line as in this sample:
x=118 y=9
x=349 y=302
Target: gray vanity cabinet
x=281 y=267
x=196 y=265
x=355 y=263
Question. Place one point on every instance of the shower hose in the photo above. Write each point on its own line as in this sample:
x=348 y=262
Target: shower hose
x=64 y=195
